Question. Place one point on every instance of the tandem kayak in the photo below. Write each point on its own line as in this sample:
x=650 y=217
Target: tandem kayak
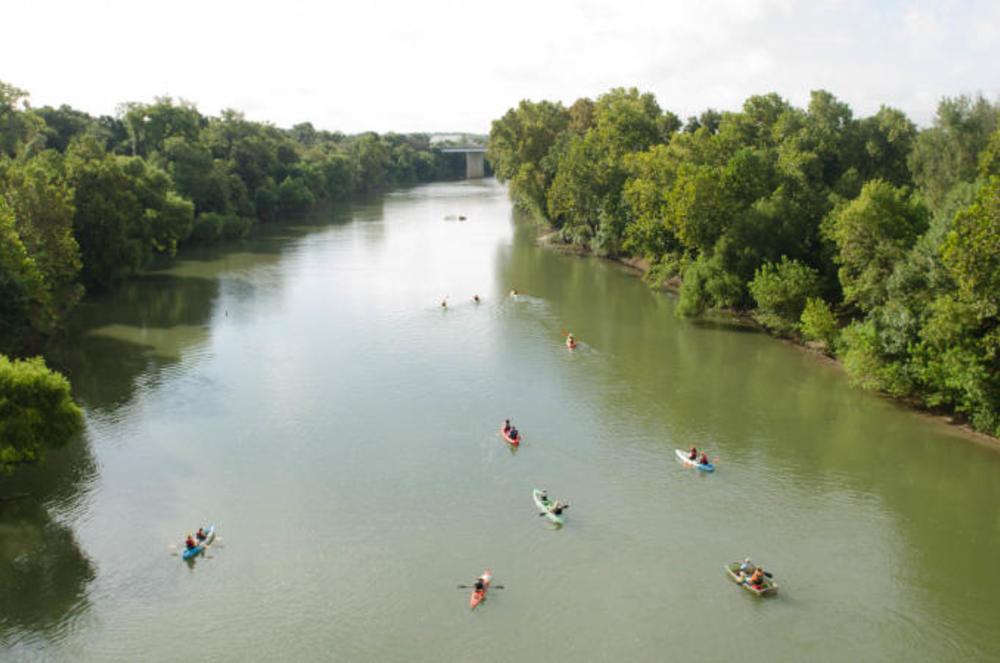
x=512 y=441
x=544 y=504
x=682 y=455
x=202 y=545
x=478 y=595
x=733 y=571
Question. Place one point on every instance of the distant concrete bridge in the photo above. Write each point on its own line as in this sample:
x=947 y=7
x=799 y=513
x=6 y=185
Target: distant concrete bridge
x=475 y=162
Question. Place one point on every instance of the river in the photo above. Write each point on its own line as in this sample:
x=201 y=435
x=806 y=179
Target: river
x=304 y=391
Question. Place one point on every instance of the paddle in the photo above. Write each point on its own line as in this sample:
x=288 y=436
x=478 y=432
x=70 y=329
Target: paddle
x=564 y=506
x=473 y=587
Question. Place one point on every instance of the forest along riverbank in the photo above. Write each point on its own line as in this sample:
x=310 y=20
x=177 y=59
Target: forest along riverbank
x=870 y=237
x=304 y=391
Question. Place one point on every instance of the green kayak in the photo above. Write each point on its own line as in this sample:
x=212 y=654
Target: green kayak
x=544 y=505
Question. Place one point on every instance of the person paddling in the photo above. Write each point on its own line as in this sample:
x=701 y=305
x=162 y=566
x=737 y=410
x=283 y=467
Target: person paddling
x=693 y=455
x=757 y=578
x=557 y=507
x=475 y=298
x=506 y=425
x=444 y=303
x=200 y=534
x=704 y=459
x=189 y=543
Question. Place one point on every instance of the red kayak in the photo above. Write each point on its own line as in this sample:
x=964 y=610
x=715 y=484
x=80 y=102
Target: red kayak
x=512 y=441
x=479 y=594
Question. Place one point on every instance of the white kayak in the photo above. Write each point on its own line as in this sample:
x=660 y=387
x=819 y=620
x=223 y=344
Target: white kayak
x=683 y=457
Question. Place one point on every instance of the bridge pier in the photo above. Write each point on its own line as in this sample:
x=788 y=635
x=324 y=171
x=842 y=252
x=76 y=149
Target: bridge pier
x=475 y=160
x=475 y=167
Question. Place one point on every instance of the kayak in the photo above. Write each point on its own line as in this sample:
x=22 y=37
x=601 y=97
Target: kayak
x=544 y=505
x=478 y=595
x=733 y=571
x=512 y=441
x=682 y=455
x=202 y=545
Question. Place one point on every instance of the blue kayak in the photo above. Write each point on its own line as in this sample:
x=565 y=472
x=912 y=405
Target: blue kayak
x=202 y=545
x=704 y=467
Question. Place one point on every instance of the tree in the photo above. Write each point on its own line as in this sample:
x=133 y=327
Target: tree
x=65 y=123
x=948 y=153
x=294 y=197
x=373 y=162
x=651 y=175
x=872 y=233
x=109 y=221
x=888 y=138
x=20 y=128
x=989 y=158
x=781 y=291
x=519 y=142
x=167 y=216
x=972 y=250
x=196 y=175
x=23 y=297
x=37 y=411
x=150 y=125
x=698 y=209
x=42 y=204
x=707 y=285
x=818 y=323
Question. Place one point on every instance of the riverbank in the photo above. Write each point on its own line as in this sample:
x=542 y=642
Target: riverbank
x=549 y=239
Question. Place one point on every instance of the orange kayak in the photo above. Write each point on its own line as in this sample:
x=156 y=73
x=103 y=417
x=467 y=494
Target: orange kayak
x=512 y=441
x=478 y=595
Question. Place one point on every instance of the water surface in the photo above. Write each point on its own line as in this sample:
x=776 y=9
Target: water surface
x=305 y=392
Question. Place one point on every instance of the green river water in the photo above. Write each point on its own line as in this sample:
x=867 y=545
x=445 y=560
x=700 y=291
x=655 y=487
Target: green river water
x=304 y=391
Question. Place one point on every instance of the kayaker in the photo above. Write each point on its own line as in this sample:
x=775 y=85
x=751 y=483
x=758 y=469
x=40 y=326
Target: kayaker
x=475 y=298
x=704 y=459
x=747 y=566
x=444 y=303
x=694 y=454
x=513 y=292
x=506 y=425
x=757 y=579
x=480 y=585
x=513 y=434
x=557 y=508
x=200 y=534
x=190 y=544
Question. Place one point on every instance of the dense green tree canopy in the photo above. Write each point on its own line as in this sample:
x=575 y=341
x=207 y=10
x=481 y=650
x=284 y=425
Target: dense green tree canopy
x=811 y=217
x=36 y=411
x=872 y=233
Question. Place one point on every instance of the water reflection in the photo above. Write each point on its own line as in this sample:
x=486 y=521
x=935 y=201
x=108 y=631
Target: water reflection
x=44 y=574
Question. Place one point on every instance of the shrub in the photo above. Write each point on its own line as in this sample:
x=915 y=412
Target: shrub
x=781 y=291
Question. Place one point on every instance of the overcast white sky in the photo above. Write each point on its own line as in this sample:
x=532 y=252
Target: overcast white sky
x=449 y=65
